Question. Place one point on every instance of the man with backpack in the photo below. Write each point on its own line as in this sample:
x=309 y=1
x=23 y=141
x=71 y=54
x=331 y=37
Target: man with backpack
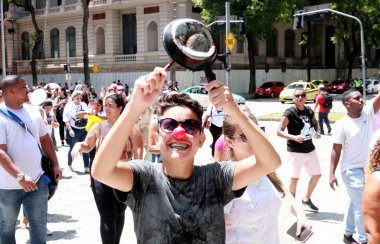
x=324 y=102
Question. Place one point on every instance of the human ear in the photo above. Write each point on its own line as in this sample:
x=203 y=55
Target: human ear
x=202 y=139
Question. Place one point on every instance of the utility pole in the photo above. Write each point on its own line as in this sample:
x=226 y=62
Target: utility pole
x=228 y=56
x=2 y=41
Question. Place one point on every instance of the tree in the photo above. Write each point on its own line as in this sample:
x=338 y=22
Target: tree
x=348 y=31
x=86 y=14
x=36 y=38
x=261 y=15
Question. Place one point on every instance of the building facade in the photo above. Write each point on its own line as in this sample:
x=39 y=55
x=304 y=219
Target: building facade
x=126 y=36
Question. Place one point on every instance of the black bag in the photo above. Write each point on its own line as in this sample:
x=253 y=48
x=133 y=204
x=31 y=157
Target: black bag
x=47 y=167
x=327 y=101
x=81 y=122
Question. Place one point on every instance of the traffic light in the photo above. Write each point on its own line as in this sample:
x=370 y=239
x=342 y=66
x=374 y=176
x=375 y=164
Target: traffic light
x=243 y=26
x=266 y=68
x=66 y=68
x=298 y=20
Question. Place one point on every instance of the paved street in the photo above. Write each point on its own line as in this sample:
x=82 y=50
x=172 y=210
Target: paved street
x=74 y=218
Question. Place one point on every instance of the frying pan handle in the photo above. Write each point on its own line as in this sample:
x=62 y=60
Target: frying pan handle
x=209 y=74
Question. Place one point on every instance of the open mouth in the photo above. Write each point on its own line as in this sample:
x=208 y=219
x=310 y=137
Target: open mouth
x=179 y=146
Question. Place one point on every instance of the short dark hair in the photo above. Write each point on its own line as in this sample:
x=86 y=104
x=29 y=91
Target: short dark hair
x=298 y=89
x=47 y=103
x=9 y=81
x=179 y=99
x=346 y=94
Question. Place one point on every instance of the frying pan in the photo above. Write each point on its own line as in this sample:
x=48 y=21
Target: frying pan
x=190 y=44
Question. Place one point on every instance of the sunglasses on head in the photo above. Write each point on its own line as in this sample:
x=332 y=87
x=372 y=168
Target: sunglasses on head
x=300 y=95
x=191 y=126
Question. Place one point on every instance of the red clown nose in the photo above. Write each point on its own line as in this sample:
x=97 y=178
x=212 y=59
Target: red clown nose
x=179 y=133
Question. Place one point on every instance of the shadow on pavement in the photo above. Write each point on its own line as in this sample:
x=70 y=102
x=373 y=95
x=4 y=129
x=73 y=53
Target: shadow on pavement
x=62 y=235
x=325 y=216
x=57 y=218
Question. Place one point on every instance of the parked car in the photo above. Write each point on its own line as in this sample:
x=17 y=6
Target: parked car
x=200 y=94
x=372 y=85
x=287 y=94
x=338 y=86
x=270 y=89
x=318 y=82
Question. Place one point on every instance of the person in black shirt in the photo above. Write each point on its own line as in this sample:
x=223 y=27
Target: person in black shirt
x=301 y=127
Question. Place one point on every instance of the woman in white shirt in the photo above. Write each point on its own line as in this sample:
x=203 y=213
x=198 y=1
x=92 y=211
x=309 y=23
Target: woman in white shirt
x=74 y=116
x=253 y=218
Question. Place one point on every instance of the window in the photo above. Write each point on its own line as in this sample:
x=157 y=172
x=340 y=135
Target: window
x=271 y=42
x=289 y=43
x=129 y=34
x=304 y=38
x=40 y=4
x=54 y=42
x=25 y=51
x=152 y=35
x=100 y=41
x=40 y=49
x=70 y=38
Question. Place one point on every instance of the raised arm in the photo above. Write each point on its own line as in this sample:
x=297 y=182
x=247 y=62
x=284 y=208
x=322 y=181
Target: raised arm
x=105 y=167
x=266 y=158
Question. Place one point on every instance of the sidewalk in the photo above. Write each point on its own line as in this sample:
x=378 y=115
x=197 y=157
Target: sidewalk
x=73 y=216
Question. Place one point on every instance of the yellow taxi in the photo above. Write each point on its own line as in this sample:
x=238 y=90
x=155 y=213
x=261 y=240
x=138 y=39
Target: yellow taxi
x=287 y=94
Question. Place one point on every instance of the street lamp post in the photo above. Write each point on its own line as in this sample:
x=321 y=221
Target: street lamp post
x=361 y=38
x=2 y=40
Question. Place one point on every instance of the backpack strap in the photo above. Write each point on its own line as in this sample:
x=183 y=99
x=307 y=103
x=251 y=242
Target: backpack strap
x=10 y=115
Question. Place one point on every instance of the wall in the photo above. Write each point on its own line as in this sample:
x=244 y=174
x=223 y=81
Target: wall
x=239 y=81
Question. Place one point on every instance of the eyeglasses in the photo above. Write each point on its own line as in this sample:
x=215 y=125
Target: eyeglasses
x=78 y=98
x=300 y=96
x=242 y=137
x=191 y=126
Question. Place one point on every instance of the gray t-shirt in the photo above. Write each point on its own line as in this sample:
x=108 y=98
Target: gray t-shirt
x=167 y=210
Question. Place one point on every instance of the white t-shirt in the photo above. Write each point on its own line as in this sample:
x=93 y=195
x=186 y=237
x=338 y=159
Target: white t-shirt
x=216 y=116
x=21 y=145
x=355 y=136
x=70 y=111
x=253 y=217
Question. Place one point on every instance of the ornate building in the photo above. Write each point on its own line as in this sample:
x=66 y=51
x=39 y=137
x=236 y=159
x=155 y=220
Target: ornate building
x=126 y=36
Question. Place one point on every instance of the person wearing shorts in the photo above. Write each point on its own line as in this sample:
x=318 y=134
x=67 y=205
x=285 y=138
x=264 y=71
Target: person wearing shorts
x=302 y=127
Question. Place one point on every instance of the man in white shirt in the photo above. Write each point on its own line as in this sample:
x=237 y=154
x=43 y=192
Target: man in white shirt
x=21 y=175
x=351 y=139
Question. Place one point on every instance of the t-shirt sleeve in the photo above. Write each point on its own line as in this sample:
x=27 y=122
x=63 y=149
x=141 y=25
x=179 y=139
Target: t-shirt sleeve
x=319 y=99
x=226 y=180
x=3 y=136
x=338 y=134
x=67 y=113
x=288 y=114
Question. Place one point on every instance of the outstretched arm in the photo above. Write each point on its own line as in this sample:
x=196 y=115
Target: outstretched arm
x=266 y=158
x=106 y=168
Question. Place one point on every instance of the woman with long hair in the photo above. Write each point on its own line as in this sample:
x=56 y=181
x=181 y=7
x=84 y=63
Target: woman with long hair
x=371 y=194
x=253 y=218
x=59 y=106
x=110 y=209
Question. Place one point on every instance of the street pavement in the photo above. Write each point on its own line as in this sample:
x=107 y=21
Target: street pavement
x=73 y=216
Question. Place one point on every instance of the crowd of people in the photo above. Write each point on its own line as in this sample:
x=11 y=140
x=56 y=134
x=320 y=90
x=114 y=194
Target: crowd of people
x=151 y=168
